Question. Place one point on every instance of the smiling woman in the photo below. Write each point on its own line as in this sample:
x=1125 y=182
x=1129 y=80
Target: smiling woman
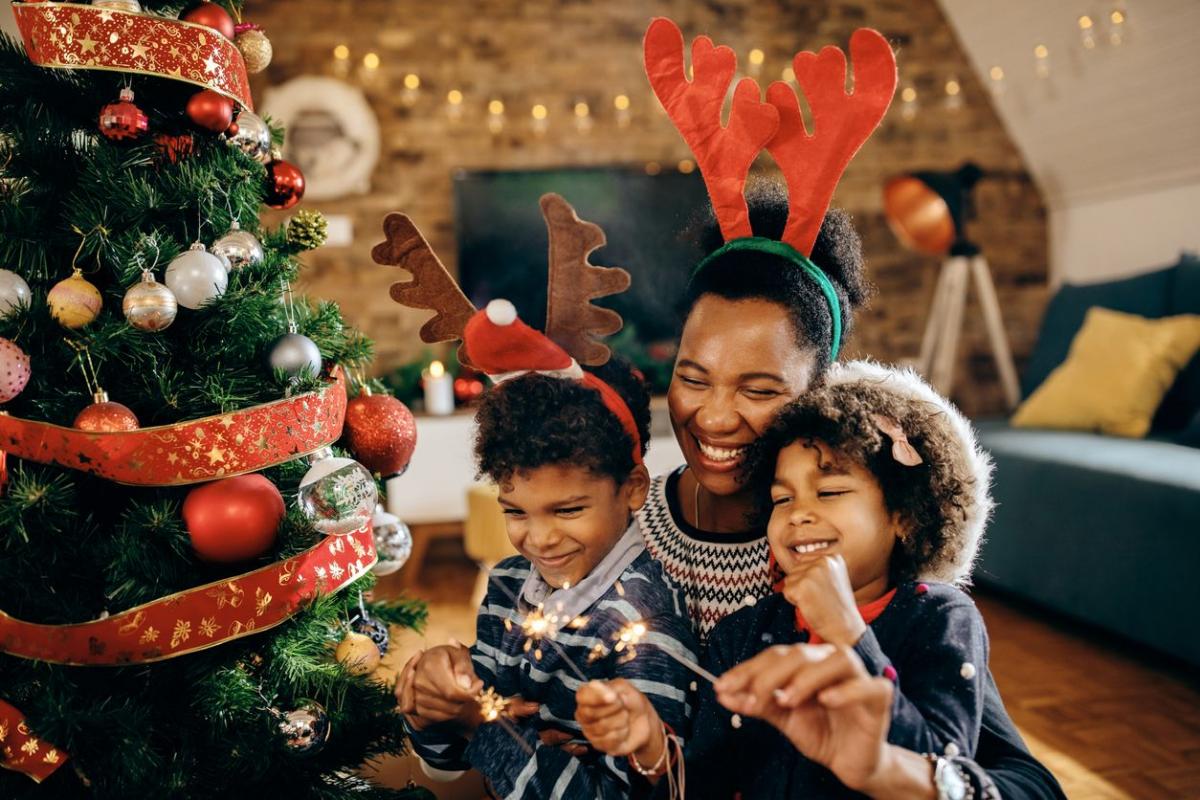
x=757 y=335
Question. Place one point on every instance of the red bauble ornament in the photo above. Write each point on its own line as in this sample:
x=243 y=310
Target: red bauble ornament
x=381 y=432
x=234 y=519
x=123 y=119
x=105 y=416
x=210 y=14
x=210 y=110
x=285 y=184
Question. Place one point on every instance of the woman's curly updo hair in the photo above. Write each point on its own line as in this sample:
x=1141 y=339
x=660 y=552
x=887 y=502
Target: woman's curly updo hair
x=944 y=501
x=537 y=420
x=743 y=275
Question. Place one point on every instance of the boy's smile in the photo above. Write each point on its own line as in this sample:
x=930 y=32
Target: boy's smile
x=565 y=519
x=824 y=506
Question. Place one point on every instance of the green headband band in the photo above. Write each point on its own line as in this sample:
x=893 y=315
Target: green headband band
x=760 y=244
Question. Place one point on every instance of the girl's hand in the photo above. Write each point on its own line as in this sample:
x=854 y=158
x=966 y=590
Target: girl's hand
x=824 y=701
x=826 y=599
x=619 y=720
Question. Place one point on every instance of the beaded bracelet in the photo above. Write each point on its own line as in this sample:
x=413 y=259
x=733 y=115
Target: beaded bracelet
x=659 y=766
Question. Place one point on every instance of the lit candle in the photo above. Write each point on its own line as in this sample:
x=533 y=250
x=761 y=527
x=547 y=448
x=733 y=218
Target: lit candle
x=439 y=390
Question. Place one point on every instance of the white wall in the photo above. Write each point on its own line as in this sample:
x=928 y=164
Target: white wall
x=1113 y=238
x=1111 y=134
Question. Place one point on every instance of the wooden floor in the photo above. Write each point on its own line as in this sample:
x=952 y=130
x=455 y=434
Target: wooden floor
x=1110 y=726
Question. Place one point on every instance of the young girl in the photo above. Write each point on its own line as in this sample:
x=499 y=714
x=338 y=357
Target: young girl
x=876 y=495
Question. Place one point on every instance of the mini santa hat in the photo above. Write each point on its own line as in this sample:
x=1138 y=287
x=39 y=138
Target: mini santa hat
x=499 y=344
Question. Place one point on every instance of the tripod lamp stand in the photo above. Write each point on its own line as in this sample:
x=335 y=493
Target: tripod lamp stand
x=927 y=211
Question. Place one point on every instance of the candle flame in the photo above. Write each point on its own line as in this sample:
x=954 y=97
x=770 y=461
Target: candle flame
x=437 y=369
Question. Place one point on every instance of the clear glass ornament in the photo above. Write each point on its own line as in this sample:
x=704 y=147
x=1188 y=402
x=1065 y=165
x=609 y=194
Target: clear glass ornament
x=393 y=542
x=337 y=495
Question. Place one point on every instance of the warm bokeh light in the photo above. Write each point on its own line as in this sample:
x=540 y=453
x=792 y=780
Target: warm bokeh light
x=412 y=81
x=341 y=52
x=1041 y=51
x=621 y=102
x=909 y=94
x=371 y=61
x=539 y=111
x=496 y=107
x=454 y=97
x=756 y=56
x=997 y=73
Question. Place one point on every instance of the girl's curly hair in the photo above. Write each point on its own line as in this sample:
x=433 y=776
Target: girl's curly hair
x=537 y=420
x=944 y=500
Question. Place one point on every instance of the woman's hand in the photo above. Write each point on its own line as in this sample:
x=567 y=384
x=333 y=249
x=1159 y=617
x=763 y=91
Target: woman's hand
x=619 y=720
x=823 y=700
x=826 y=599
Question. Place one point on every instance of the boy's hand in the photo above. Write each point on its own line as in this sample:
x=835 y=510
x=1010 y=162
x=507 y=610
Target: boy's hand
x=826 y=599
x=620 y=721
x=440 y=685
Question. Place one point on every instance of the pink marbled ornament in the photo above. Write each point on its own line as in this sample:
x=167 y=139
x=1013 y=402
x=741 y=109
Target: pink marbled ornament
x=14 y=370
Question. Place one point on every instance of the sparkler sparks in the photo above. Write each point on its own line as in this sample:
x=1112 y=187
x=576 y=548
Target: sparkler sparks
x=540 y=627
x=629 y=637
x=493 y=707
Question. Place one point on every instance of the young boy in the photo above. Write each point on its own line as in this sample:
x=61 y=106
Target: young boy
x=565 y=449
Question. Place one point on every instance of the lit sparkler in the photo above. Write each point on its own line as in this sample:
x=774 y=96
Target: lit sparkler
x=629 y=637
x=540 y=626
x=493 y=707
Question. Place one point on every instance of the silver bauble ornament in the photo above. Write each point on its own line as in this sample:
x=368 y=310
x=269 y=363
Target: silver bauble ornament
x=295 y=353
x=306 y=729
x=148 y=305
x=238 y=247
x=196 y=276
x=337 y=495
x=253 y=137
x=393 y=542
x=14 y=292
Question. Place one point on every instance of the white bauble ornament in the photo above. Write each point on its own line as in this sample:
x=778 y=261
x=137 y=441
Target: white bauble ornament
x=196 y=276
x=337 y=495
x=14 y=292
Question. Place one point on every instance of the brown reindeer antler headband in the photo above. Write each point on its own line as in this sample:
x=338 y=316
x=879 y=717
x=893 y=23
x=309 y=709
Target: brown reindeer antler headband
x=494 y=340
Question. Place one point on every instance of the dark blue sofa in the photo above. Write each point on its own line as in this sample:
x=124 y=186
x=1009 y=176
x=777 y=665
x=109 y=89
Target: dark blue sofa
x=1103 y=529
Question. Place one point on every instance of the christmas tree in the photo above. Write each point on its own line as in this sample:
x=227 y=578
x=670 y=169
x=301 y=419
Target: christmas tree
x=184 y=587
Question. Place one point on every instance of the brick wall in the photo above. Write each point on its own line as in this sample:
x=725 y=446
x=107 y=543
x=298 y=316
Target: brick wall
x=561 y=53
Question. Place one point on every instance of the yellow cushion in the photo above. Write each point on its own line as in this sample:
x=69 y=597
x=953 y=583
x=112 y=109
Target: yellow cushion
x=1118 y=370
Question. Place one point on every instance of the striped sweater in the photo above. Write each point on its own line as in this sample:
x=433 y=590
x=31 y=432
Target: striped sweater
x=717 y=571
x=641 y=593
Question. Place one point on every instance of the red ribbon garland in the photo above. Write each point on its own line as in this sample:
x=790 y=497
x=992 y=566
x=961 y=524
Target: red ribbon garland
x=74 y=36
x=21 y=751
x=198 y=618
x=198 y=450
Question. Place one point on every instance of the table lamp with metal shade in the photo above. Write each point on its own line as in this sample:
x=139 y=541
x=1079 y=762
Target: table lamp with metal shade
x=927 y=212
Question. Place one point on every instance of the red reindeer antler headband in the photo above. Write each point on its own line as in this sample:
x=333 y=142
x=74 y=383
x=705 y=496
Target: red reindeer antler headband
x=812 y=162
x=494 y=340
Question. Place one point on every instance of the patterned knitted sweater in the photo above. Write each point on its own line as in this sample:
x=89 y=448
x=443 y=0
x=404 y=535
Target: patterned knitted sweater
x=716 y=571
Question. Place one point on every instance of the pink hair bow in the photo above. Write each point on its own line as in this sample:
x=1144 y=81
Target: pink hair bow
x=902 y=451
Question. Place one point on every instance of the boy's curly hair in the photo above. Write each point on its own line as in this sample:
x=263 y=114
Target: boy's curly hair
x=944 y=500
x=537 y=420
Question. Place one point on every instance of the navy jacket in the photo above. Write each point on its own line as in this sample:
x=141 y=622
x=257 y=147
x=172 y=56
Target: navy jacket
x=928 y=638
